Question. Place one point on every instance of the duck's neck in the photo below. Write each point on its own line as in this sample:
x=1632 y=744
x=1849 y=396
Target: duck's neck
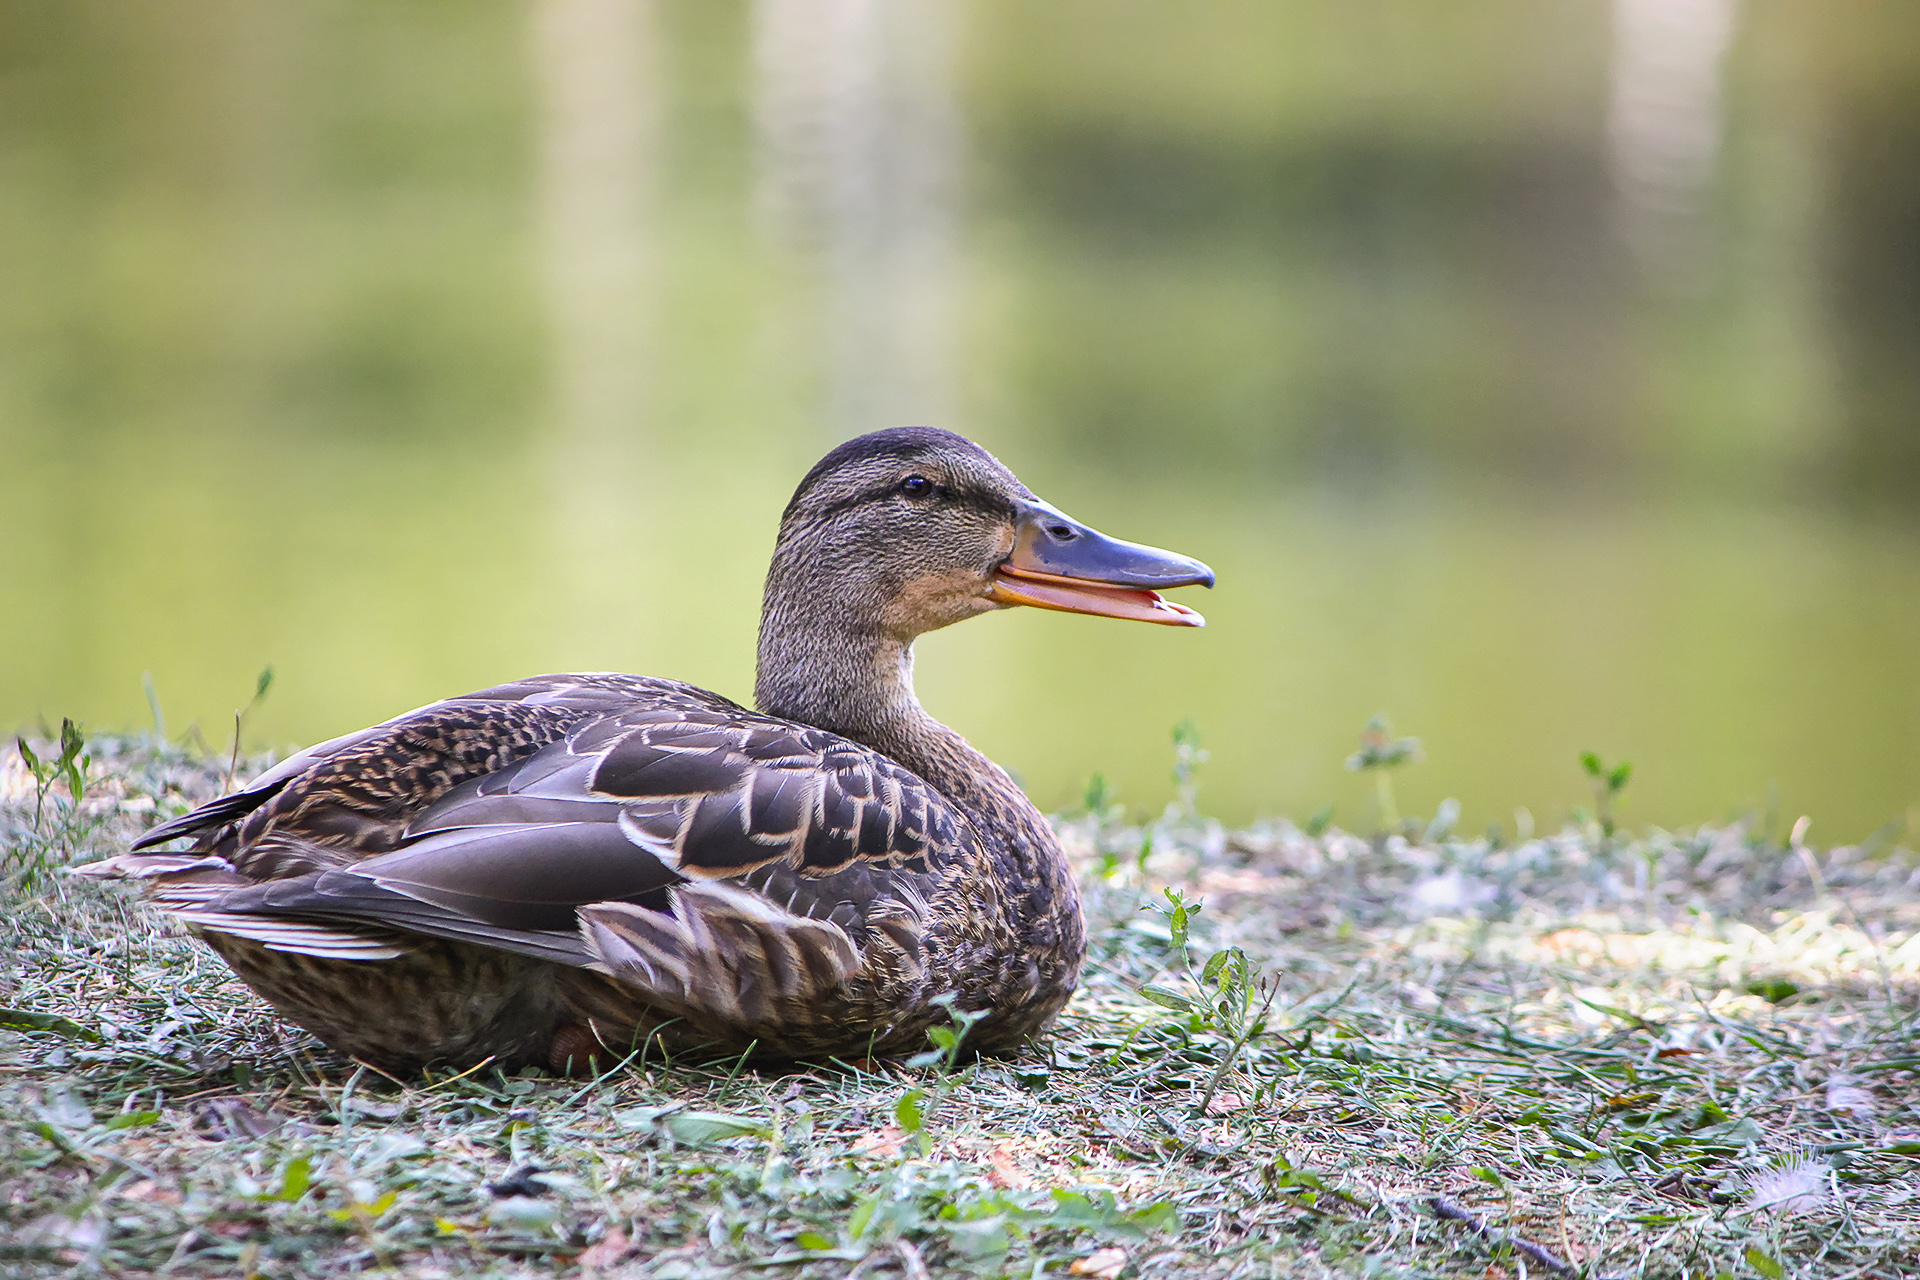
x=859 y=684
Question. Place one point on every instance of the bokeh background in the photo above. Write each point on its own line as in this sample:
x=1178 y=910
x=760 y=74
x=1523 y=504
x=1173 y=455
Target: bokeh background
x=1544 y=375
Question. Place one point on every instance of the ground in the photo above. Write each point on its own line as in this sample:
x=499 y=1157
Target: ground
x=1406 y=1054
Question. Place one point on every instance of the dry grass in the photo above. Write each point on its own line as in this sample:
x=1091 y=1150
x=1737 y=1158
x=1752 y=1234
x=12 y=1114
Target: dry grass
x=1686 y=1054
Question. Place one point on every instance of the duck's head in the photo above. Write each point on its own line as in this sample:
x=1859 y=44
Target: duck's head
x=904 y=531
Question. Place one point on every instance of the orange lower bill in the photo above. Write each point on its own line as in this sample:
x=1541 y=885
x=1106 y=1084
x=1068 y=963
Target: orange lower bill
x=1075 y=595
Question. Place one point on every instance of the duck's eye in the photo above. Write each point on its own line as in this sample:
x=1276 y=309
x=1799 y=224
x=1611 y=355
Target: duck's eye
x=917 y=487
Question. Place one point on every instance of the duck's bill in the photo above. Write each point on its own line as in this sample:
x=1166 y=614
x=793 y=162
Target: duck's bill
x=1059 y=563
x=1010 y=586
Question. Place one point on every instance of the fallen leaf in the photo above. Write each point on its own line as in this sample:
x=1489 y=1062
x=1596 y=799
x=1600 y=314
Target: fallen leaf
x=1630 y=1101
x=1005 y=1172
x=611 y=1250
x=884 y=1141
x=1225 y=1104
x=1102 y=1264
x=148 y=1191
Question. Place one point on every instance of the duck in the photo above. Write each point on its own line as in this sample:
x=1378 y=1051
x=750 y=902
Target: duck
x=563 y=871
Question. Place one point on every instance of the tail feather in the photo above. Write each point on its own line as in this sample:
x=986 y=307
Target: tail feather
x=145 y=866
x=299 y=936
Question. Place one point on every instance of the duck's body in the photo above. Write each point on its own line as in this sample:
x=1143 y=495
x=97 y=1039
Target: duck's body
x=560 y=868
x=472 y=835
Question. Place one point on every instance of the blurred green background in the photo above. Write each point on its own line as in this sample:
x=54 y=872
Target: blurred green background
x=1547 y=376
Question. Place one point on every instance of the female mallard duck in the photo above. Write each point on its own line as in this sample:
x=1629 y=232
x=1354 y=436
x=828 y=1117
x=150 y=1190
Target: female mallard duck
x=561 y=867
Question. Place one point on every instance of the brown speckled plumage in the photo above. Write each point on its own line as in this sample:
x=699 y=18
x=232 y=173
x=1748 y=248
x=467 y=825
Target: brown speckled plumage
x=561 y=867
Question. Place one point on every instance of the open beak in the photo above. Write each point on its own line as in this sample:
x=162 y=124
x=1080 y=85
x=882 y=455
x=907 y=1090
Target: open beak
x=1059 y=563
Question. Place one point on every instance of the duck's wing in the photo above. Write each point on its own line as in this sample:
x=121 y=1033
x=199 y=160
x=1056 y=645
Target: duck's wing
x=712 y=857
x=354 y=795
x=793 y=857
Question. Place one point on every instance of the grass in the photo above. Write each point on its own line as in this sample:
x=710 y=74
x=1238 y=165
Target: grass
x=1594 y=1054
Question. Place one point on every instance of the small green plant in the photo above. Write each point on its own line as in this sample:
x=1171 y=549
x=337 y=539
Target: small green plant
x=1380 y=754
x=947 y=1040
x=1301 y=1186
x=916 y=1106
x=1230 y=985
x=69 y=767
x=1607 y=784
x=1219 y=999
x=1179 y=911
